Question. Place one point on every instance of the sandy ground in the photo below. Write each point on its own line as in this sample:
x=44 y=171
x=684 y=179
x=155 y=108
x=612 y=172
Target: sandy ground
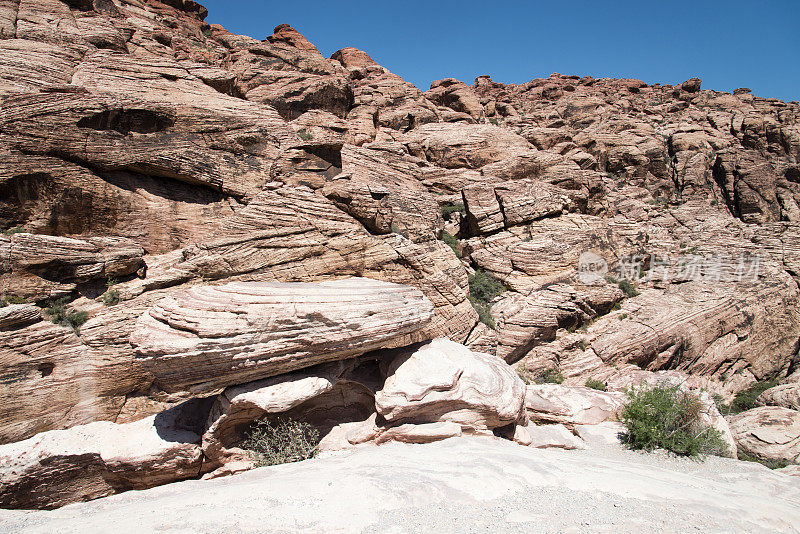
x=458 y=485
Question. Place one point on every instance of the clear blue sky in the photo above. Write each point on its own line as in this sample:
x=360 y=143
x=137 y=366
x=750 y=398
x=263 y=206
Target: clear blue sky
x=728 y=44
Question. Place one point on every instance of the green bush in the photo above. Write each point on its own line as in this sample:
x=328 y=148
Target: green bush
x=628 y=288
x=58 y=313
x=484 y=310
x=599 y=385
x=551 y=376
x=771 y=463
x=494 y=121
x=13 y=299
x=281 y=442
x=452 y=242
x=111 y=297
x=483 y=288
x=449 y=209
x=666 y=417
x=746 y=399
x=305 y=135
x=525 y=375
x=11 y=231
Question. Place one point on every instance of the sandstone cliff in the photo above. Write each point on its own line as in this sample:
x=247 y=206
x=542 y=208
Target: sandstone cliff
x=164 y=177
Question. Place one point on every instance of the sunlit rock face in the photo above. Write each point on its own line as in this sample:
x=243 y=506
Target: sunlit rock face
x=248 y=226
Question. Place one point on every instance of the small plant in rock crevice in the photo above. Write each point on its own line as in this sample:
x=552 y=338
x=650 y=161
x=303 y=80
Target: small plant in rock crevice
x=396 y=229
x=280 y=442
x=770 y=463
x=483 y=288
x=525 y=375
x=628 y=288
x=745 y=399
x=449 y=209
x=666 y=417
x=599 y=385
x=551 y=376
x=451 y=241
x=58 y=313
x=305 y=135
x=112 y=296
x=11 y=231
x=5 y=300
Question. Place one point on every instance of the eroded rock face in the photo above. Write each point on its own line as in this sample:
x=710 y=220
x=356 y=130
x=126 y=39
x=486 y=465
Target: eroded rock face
x=785 y=396
x=61 y=467
x=214 y=336
x=553 y=403
x=445 y=381
x=471 y=146
x=53 y=380
x=548 y=437
x=768 y=432
x=143 y=145
x=39 y=267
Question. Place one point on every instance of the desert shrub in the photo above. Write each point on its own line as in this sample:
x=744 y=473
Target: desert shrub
x=111 y=297
x=13 y=299
x=483 y=288
x=58 y=313
x=451 y=241
x=719 y=401
x=746 y=399
x=281 y=442
x=525 y=375
x=771 y=463
x=599 y=385
x=494 y=121
x=12 y=231
x=551 y=376
x=449 y=209
x=484 y=310
x=667 y=417
x=305 y=135
x=628 y=288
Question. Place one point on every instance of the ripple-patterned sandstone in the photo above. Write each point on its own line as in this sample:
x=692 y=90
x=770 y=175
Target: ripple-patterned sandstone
x=209 y=337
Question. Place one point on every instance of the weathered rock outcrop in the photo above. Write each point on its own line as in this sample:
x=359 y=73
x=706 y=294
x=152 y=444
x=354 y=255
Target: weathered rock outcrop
x=41 y=267
x=200 y=170
x=481 y=483
x=785 y=396
x=552 y=403
x=53 y=379
x=444 y=381
x=547 y=437
x=768 y=433
x=61 y=467
x=214 y=336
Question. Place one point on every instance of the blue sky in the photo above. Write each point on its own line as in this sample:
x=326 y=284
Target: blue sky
x=728 y=44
